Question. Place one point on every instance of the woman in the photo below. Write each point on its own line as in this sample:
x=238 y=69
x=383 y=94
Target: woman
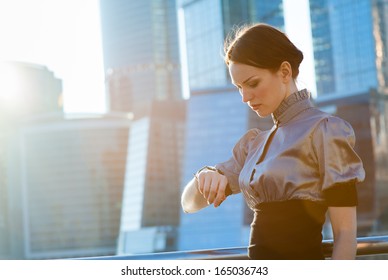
x=291 y=175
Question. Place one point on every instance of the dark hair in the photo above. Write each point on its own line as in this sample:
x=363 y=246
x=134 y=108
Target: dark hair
x=262 y=46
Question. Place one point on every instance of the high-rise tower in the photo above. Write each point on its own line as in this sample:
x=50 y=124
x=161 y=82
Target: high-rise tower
x=142 y=64
x=206 y=24
x=26 y=89
x=141 y=53
x=350 y=41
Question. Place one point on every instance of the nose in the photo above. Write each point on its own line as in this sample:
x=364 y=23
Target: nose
x=246 y=96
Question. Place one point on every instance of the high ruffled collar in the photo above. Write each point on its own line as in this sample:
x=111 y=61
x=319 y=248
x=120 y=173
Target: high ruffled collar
x=291 y=106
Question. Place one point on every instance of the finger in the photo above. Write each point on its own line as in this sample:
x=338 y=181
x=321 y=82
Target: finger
x=221 y=196
x=213 y=190
x=206 y=186
x=201 y=181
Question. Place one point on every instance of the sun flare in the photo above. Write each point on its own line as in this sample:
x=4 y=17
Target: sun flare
x=12 y=88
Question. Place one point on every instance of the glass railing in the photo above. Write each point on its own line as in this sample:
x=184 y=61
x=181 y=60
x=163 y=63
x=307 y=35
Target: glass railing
x=373 y=247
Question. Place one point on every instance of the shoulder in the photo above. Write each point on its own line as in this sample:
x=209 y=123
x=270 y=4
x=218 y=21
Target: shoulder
x=250 y=135
x=336 y=128
x=325 y=120
x=335 y=123
x=248 y=138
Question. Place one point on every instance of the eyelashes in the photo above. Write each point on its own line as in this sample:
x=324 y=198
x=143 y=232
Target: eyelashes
x=253 y=85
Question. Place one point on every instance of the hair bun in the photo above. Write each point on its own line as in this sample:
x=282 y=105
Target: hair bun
x=263 y=46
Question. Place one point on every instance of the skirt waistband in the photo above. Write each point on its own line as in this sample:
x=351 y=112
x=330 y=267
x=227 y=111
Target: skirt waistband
x=287 y=230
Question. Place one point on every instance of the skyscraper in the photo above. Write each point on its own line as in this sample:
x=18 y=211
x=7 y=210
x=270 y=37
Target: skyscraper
x=324 y=65
x=4 y=244
x=216 y=117
x=350 y=41
x=151 y=203
x=206 y=24
x=141 y=53
x=72 y=175
x=25 y=89
x=142 y=64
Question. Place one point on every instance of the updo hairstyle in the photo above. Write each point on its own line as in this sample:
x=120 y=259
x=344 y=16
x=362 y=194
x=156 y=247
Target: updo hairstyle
x=263 y=46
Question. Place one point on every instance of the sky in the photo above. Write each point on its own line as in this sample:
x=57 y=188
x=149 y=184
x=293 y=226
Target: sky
x=65 y=36
x=298 y=29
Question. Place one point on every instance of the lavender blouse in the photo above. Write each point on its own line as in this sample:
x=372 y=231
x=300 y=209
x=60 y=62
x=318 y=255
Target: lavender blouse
x=306 y=152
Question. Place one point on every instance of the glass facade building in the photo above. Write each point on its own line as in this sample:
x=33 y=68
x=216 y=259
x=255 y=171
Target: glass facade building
x=207 y=23
x=350 y=45
x=151 y=199
x=141 y=53
x=324 y=65
x=143 y=76
x=26 y=89
x=204 y=36
x=270 y=12
x=71 y=173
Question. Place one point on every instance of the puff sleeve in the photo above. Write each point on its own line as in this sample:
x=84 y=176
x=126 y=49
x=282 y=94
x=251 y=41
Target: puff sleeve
x=340 y=168
x=232 y=167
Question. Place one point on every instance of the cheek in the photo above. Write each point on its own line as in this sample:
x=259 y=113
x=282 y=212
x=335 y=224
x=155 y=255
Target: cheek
x=263 y=90
x=272 y=89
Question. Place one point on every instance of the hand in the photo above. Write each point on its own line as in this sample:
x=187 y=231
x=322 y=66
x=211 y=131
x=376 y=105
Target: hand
x=212 y=186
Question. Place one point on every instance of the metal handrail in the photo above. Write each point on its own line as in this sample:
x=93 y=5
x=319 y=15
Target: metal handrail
x=373 y=245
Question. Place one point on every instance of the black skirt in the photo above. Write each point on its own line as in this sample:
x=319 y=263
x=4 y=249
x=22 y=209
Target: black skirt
x=287 y=230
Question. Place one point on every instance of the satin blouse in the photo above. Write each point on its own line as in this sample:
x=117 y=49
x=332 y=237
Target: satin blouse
x=306 y=152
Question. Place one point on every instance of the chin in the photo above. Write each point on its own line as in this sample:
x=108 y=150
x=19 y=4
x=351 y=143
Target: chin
x=262 y=114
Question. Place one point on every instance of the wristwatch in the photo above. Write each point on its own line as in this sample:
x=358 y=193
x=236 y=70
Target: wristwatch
x=228 y=190
x=206 y=167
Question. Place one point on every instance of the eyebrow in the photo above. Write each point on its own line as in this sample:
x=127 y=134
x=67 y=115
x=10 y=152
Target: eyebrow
x=247 y=80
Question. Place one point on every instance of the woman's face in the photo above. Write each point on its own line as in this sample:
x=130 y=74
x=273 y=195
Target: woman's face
x=260 y=88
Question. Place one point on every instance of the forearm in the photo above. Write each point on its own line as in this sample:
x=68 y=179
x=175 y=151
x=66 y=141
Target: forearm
x=345 y=246
x=344 y=225
x=192 y=200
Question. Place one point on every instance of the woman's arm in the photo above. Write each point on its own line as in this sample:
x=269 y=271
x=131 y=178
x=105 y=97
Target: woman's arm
x=206 y=188
x=344 y=224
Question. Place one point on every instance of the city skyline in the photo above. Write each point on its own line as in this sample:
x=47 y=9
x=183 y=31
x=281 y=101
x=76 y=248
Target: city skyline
x=75 y=174
x=42 y=34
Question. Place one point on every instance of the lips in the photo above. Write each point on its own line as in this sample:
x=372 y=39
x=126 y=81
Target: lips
x=255 y=107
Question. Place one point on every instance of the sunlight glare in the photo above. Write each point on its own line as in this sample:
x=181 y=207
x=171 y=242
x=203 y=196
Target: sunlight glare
x=62 y=35
x=11 y=88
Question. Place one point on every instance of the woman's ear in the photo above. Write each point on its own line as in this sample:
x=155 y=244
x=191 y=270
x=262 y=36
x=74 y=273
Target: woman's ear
x=286 y=71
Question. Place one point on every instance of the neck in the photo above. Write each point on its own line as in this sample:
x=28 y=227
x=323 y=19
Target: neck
x=291 y=88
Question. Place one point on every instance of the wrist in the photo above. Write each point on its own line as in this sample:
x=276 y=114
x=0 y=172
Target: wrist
x=228 y=190
x=206 y=167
